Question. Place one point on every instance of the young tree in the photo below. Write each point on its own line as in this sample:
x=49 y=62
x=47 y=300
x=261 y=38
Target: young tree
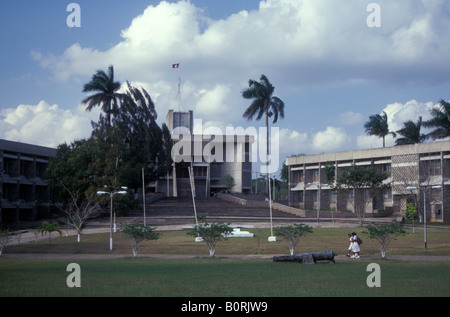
x=79 y=210
x=138 y=233
x=411 y=212
x=228 y=181
x=284 y=173
x=211 y=234
x=384 y=234
x=49 y=228
x=293 y=234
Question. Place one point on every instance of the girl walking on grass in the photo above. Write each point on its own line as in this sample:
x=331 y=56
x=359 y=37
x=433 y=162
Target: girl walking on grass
x=355 y=246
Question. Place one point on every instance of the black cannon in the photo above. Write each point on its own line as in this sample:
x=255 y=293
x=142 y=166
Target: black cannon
x=307 y=258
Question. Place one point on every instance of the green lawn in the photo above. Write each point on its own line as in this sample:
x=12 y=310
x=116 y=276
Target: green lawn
x=222 y=276
x=178 y=242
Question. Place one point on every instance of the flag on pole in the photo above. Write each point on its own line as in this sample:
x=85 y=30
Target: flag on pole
x=176 y=65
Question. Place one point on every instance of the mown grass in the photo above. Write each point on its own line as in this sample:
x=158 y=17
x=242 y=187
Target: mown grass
x=220 y=277
x=178 y=242
x=226 y=276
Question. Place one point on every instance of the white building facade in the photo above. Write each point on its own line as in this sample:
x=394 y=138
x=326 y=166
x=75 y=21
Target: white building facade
x=205 y=160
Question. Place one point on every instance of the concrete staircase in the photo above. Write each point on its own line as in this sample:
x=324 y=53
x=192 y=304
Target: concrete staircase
x=181 y=210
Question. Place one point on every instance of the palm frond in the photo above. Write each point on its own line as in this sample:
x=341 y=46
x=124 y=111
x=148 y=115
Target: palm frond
x=264 y=103
x=105 y=89
x=440 y=121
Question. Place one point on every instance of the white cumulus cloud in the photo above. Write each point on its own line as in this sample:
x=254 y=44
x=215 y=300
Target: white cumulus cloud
x=296 y=43
x=45 y=124
x=330 y=139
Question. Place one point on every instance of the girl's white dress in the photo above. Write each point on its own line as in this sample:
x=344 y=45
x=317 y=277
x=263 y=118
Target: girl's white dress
x=355 y=245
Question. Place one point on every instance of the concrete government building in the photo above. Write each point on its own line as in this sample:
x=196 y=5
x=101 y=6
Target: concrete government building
x=24 y=190
x=204 y=160
x=413 y=170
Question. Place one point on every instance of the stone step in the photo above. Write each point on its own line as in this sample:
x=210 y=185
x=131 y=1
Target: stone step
x=211 y=207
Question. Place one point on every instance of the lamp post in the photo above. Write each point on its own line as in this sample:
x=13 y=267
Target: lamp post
x=111 y=194
x=272 y=238
x=424 y=190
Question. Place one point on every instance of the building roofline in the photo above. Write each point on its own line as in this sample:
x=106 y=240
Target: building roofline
x=418 y=148
x=27 y=148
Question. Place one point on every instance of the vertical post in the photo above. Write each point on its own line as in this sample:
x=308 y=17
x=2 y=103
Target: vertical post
x=198 y=239
x=272 y=238
x=318 y=202
x=143 y=193
x=110 y=225
x=425 y=217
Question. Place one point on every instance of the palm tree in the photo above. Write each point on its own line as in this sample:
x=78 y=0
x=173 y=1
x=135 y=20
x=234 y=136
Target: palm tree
x=411 y=133
x=378 y=125
x=49 y=228
x=440 y=121
x=105 y=93
x=264 y=103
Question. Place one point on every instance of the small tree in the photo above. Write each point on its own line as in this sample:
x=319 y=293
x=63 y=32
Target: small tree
x=49 y=228
x=411 y=212
x=228 y=181
x=5 y=237
x=138 y=233
x=79 y=210
x=293 y=234
x=211 y=234
x=384 y=234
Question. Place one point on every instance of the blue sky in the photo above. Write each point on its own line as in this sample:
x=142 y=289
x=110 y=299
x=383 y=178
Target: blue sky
x=329 y=67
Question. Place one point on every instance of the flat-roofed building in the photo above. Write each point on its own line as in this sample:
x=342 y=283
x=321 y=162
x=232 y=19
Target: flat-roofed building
x=206 y=157
x=25 y=194
x=413 y=170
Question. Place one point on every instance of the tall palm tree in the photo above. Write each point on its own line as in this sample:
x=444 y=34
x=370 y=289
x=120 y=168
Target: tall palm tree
x=105 y=93
x=264 y=103
x=440 y=121
x=378 y=125
x=411 y=133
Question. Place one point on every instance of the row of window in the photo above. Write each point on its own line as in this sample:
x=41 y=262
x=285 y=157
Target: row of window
x=387 y=194
x=432 y=168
